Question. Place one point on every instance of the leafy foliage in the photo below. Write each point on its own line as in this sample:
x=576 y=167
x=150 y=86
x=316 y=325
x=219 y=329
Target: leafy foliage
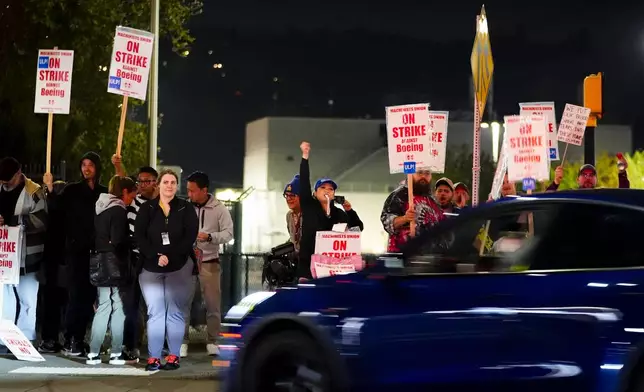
x=87 y=27
x=458 y=168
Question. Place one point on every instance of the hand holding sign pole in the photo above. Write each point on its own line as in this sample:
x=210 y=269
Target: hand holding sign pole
x=129 y=69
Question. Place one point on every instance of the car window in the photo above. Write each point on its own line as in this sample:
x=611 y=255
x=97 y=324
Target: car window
x=495 y=242
x=592 y=237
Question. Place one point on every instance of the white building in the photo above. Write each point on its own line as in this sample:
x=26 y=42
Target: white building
x=353 y=153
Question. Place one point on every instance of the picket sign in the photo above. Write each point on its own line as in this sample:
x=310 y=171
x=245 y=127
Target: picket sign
x=11 y=241
x=129 y=69
x=573 y=126
x=527 y=148
x=53 y=88
x=336 y=253
x=547 y=110
x=501 y=169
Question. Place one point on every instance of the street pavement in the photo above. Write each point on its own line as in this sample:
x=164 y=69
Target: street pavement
x=196 y=374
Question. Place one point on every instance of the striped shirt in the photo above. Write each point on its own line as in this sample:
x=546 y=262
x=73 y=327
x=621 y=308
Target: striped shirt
x=132 y=212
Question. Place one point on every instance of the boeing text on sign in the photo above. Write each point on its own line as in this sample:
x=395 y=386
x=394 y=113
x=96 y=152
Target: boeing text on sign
x=130 y=64
x=54 y=81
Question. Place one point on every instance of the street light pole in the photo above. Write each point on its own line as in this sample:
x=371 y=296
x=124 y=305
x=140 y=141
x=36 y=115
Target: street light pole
x=153 y=94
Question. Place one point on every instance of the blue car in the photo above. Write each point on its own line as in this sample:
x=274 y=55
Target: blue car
x=534 y=293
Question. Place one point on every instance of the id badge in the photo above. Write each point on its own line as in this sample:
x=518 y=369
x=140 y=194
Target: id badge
x=165 y=238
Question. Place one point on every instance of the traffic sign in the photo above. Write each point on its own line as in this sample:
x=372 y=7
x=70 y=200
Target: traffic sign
x=481 y=60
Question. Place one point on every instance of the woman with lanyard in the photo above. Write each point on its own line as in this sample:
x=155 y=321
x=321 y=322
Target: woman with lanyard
x=165 y=231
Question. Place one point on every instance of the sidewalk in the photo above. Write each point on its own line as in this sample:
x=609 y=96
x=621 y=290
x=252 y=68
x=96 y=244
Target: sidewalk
x=59 y=373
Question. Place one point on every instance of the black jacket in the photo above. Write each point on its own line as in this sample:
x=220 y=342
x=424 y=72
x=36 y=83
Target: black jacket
x=77 y=201
x=181 y=225
x=314 y=219
x=111 y=227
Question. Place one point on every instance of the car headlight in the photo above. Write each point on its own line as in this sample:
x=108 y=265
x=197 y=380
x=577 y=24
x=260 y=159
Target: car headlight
x=246 y=305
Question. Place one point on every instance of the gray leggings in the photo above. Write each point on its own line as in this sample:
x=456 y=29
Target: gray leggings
x=167 y=295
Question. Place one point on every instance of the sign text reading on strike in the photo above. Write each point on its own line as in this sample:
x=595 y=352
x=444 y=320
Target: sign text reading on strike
x=410 y=130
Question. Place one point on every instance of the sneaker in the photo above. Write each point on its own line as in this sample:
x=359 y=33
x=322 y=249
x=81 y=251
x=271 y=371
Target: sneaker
x=117 y=359
x=184 y=351
x=130 y=356
x=153 y=364
x=171 y=362
x=49 y=347
x=93 y=359
x=212 y=349
x=74 y=348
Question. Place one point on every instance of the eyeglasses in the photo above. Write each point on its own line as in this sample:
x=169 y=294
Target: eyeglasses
x=289 y=196
x=587 y=175
x=145 y=182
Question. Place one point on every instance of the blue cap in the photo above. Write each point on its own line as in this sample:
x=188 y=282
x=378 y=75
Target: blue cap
x=325 y=181
x=293 y=186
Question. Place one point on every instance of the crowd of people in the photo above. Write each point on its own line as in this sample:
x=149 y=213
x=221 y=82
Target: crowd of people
x=136 y=242
x=92 y=253
x=308 y=215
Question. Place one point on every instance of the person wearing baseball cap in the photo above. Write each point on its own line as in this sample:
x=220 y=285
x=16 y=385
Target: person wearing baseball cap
x=23 y=204
x=461 y=195
x=319 y=213
x=444 y=194
x=294 y=214
x=587 y=176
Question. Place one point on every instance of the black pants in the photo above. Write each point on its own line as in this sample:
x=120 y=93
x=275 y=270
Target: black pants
x=133 y=317
x=82 y=295
x=54 y=299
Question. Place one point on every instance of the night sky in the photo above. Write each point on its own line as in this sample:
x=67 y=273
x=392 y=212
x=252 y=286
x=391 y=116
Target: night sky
x=292 y=58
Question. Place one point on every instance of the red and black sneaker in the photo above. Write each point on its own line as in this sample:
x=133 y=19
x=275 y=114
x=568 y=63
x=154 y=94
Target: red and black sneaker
x=153 y=364
x=171 y=362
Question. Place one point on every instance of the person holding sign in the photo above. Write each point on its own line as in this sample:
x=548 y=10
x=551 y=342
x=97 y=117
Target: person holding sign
x=587 y=177
x=78 y=201
x=22 y=203
x=318 y=212
x=396 y=214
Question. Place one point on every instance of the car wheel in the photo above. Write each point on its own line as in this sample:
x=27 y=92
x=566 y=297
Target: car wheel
x=288 y=361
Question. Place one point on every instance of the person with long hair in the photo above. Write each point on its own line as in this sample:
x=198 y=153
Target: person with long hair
x=112 y=247
x=165 y=230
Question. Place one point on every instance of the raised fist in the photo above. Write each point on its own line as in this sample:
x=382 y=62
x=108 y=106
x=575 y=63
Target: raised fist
x=306 y=148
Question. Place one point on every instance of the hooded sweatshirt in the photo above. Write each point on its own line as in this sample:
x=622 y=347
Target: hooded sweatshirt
x=78 y=202
x=214 y=219
x=28 y=207
x=111 y=227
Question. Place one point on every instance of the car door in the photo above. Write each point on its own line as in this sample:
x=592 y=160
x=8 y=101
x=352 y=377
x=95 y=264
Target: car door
x=591 y=266
x=455 y=329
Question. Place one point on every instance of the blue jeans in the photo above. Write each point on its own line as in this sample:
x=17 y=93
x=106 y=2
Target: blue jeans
x=110 y=311
x=25 y=296
x=167 y=296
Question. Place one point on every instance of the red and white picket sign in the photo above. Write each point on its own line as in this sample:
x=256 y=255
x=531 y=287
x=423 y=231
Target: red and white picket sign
x=323 y=266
